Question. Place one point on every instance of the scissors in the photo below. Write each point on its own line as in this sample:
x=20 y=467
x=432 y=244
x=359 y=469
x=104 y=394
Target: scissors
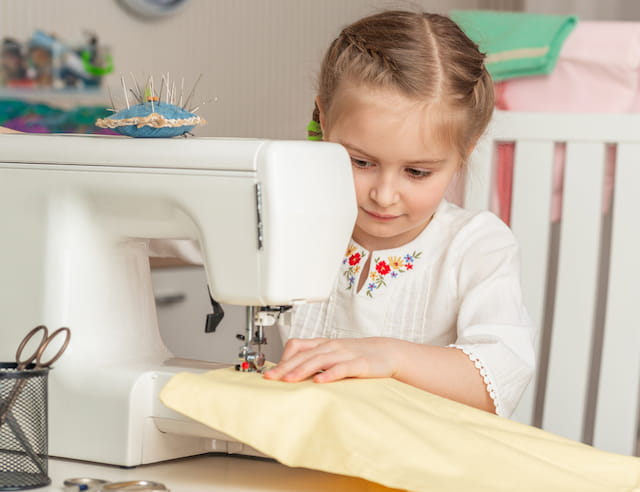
x=35 y=358
x=42 y=346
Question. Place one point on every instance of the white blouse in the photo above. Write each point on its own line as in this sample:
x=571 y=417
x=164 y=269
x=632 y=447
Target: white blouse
x=457 y=284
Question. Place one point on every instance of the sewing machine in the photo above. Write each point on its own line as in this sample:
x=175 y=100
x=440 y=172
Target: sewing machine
x=77 y=212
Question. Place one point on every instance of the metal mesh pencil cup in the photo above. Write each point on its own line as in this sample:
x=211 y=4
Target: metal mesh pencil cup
x=24 y=428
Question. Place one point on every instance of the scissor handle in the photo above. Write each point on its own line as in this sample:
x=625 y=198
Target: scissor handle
x=45 y=344
x=36 y=356
x=22 y=363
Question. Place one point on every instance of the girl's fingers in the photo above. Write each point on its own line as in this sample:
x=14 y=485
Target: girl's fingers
x=347 y=368
x=309 y=364
x=295 y=345
x=304 y=363
x=331 y=360
x=279 y=371
x=287 y=363
x=335 y=373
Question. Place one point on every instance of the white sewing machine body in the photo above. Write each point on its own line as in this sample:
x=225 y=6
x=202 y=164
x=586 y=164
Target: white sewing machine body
x=272 y=219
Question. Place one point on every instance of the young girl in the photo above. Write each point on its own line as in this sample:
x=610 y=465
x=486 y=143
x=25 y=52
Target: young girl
x=428 y=293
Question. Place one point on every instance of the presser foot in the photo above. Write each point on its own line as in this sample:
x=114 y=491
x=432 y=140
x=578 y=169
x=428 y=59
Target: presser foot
x=253 y=362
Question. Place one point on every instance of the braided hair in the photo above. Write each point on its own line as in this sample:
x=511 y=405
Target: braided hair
x=424 y=56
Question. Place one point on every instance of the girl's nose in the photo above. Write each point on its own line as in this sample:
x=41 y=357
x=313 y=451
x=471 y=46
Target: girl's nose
x=384 y=191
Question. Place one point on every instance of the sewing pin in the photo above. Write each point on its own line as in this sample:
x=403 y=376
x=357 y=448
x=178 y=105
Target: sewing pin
x=215 y=99
x=186 y=103
x=126 y=98
x=151 y=87
x=113 y=106
x=160 y=93
x=140 y=95
x=168 y=88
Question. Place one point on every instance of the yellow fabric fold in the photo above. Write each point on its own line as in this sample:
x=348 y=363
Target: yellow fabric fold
x=394 y=434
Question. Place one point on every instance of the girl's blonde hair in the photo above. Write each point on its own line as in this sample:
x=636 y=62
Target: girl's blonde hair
x=424 y=56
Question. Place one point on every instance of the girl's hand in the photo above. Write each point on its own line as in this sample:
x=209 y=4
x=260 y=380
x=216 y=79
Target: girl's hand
x=444 y=371
x=331 y=360
x=4 y=129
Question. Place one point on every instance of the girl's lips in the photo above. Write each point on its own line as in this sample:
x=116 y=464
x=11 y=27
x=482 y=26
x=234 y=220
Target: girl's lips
x=383 y=217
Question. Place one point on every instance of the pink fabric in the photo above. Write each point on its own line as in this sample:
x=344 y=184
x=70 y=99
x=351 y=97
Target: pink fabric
x=598 y=71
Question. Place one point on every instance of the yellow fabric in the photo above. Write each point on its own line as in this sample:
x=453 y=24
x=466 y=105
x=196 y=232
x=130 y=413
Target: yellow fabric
x=394 y=434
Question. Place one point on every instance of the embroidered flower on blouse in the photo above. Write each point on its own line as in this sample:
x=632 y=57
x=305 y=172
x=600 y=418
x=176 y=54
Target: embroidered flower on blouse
x=382 y=269
x=392 y=267
x=352 y=257
x=396 y=262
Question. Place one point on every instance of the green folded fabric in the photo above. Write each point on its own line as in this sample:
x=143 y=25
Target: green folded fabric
x=517 y=44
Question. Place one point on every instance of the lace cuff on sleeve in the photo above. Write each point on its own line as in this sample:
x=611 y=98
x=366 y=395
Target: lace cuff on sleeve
x=486 y=375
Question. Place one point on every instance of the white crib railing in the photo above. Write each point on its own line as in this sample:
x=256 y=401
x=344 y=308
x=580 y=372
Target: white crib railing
x=580 y=275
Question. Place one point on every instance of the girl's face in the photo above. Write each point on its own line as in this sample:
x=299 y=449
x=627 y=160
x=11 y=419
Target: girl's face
x=401 y=170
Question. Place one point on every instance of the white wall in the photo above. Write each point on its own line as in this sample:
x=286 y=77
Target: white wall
x=258 y=57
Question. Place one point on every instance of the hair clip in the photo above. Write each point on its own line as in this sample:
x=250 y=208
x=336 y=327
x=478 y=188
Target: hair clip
x=314 y=130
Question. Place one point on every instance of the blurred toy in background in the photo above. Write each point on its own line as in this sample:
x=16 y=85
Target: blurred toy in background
x=13 y=68
x=40 y=66
x=166 y=113
x=96 y=59
x=82 y=66
x=47 y=62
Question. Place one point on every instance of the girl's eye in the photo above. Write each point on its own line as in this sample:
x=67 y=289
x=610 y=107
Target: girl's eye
x=360 y=163
x=418 y=173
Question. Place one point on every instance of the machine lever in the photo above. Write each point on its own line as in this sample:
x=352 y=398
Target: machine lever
x=214 y=318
